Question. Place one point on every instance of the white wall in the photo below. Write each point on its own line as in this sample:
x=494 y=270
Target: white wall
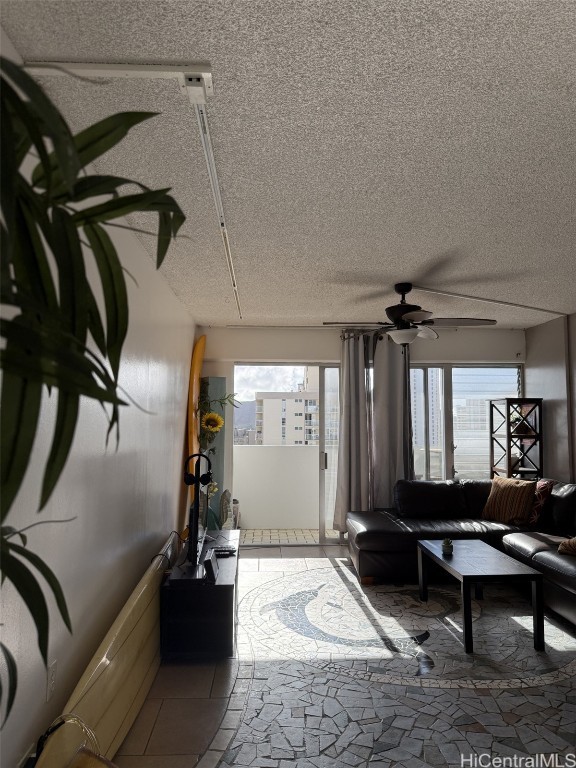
x=277 y=485
x=125 y=502
x=318 y=345
x=550 y=362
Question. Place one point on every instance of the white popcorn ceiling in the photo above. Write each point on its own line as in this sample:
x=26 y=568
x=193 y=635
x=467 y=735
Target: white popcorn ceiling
x=358 y=143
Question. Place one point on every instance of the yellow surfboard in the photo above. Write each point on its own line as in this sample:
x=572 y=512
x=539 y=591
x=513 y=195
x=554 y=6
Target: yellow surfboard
x=193 y=427
x=194 y=394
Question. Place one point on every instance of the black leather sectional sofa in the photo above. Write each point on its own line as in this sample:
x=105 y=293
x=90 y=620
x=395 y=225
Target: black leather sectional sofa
x=382 y=544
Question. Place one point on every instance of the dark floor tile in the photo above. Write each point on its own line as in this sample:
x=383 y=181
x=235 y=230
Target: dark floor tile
x=157 y=761
x=186 y=726
x=303 y=550
x=183 y=681
x=224 y=678
x=260 y=552
x=138 y=736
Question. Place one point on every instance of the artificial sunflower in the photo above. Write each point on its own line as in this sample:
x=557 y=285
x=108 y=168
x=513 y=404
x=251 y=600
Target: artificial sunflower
x=213 y=422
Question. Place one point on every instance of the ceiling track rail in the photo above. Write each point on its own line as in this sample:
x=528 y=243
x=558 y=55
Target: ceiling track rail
x=214 y=184
x=195 y=82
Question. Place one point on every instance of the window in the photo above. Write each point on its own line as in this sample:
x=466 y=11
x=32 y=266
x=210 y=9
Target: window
x=450 y=421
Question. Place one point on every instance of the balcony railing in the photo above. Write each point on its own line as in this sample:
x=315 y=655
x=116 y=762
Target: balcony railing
x=278 y=486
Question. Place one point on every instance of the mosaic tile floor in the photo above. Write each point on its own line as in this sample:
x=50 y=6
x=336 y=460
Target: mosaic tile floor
x=329 y=674
x=335 y=675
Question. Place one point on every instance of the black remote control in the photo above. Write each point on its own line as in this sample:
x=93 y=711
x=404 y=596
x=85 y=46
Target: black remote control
x=224 y=551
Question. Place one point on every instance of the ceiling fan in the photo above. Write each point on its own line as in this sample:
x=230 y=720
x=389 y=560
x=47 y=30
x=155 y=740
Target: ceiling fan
x=406 y=322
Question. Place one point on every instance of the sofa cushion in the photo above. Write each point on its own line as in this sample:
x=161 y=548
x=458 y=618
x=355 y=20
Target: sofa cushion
x=541 y=494
x=559 y=568
x=523 y=546
x=376 y=530
x=559 y=512
x=385 y=532
x=476 y=494
x=510 y=501
x=568 y=547
x=429 y=499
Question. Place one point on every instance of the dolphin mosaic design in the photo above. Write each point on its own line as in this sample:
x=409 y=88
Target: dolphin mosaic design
x=291 y=612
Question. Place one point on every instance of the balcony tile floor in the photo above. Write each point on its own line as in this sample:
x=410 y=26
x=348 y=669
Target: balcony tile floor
x=329 y=674
x=267 y=536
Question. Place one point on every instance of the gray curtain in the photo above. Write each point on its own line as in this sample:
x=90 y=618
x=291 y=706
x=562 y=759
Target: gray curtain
x=353 y=483
x=375 y=445
x=392 y=452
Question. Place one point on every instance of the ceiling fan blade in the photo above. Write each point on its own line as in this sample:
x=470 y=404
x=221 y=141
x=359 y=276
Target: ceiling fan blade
x=358 y=324
x=425 y=332
x=460 y=322
x=439 y=292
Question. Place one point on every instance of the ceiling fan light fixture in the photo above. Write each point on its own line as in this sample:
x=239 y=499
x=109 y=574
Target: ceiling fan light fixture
x=403 y=335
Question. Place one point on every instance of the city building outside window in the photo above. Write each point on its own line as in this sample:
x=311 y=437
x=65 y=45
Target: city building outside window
x=450 y=417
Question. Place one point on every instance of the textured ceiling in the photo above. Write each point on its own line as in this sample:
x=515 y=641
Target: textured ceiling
x=358 y=143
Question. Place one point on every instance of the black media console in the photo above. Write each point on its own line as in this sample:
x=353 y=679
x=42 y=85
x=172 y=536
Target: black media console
x=198 y=615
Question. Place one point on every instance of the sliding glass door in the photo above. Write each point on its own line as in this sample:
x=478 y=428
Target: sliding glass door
x=285 y=451
x=329 y=430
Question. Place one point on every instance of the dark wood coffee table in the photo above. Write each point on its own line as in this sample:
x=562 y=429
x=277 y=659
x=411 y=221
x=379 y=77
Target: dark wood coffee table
x=475 y=562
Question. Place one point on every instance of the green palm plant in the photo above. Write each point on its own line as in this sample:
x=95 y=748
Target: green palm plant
x=54 y=334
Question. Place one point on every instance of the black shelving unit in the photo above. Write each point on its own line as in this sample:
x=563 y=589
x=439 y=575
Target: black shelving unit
x=516 y=438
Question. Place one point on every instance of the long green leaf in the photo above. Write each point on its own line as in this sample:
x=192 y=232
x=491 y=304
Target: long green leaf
x=48 y=339
x=122 y=206
x=47 y=355
x=8 y=167
x=66 y=418
x=53 y=124
x=25 y=266
x=57 y=373
x=93 y=142
x=94 y=186
x=114 y=291
x=12 y=672
x=95 y=325
x=27 y=586
x=48 y=575
x=73 y=284
x=6 y=284
x=39 y=268
x=20 y=400
x=171 y=219
x=27 y=126
x=7 y=531
x=164 y=236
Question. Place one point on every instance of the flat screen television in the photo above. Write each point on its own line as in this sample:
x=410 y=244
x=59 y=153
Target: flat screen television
x=198 y=508
x=196 y=529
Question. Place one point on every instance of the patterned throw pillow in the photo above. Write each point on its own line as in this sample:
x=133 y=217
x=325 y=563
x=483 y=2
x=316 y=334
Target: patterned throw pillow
x=510 y=501
x=568 y=547
x=543 y=490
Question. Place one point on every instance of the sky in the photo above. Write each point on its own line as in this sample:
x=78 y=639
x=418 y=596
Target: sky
x=249 y=379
